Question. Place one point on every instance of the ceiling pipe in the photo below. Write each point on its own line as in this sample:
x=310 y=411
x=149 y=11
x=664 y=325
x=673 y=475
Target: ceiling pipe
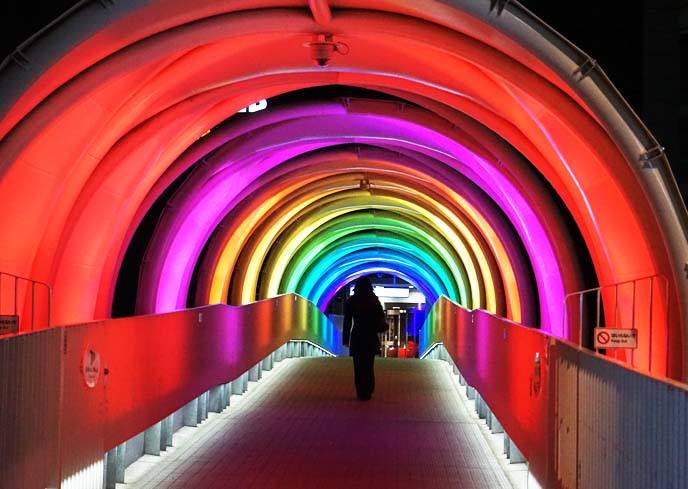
x=321 y=11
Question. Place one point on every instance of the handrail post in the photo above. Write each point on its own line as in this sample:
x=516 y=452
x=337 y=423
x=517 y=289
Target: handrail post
x=633 y=321
x=580 y=321
x=34 y=283
x=599 y=300
x=16 y=296
x=652 y=289
x=33 y=305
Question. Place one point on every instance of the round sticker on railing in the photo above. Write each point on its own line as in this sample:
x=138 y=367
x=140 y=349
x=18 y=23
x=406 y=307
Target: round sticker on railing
x=90 y=367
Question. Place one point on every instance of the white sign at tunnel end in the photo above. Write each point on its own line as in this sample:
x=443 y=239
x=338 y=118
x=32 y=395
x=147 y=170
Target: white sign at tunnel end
x=616 y=338
x=9 y=324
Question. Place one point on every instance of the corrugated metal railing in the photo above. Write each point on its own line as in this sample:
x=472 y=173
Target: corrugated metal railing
x=617 y=428
x=70 y=394
x=581 y=420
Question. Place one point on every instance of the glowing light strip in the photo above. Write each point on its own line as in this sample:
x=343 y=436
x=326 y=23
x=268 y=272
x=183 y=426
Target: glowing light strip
x=310 y=227
x=248 y=221
x=311 y=249
x=342 y=279
x=296 y=239
x=364 y=265
x=365 y=201
x=370 y=245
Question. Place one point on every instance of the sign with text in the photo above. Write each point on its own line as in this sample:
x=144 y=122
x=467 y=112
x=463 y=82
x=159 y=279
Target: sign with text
x=615 y=338
x=9 y=324
x=90 y=367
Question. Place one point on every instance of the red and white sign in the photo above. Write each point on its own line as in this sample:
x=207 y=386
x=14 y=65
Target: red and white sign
x=615 y=338
x=90 y=367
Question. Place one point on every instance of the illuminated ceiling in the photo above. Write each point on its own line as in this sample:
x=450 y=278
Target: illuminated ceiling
x=491 y=138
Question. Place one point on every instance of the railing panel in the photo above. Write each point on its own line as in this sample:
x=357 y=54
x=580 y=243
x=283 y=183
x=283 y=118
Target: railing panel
x=588 y=421
x=147 y=368
x=566 y=422
x=84 y=407
x=632 y=430
x=29 y=409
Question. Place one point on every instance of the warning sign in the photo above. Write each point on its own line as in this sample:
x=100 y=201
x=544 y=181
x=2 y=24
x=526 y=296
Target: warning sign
x=615 y=338
x=90 y=367
x=9 y=324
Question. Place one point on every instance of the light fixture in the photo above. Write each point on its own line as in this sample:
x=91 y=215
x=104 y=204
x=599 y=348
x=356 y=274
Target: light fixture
x=323 y=47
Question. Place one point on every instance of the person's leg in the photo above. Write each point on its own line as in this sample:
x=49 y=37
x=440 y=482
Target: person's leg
x=367 y=376
x=359 y=375
x=372 y=374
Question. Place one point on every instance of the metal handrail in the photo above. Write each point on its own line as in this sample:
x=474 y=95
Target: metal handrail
x=34 y=283
x=589 y=68
x=19 y=50
x=615 y=286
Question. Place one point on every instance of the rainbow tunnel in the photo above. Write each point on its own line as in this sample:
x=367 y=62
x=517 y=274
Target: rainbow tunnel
x=462 y=146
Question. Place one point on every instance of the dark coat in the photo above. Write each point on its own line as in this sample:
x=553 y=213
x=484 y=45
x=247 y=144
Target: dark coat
x=365 y=312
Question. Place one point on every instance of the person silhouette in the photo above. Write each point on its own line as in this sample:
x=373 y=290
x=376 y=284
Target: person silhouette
x=365 y=311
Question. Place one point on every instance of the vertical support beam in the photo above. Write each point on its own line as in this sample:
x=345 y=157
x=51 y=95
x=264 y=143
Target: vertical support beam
x=255 y=373
x=266 y=364
x=110 y=469
x=216 y=398
x=512 y=452
x=114 y=467
x=470 y=392
x=480 y=406
x=238 y=385
x=494 y=424
x=202 y=407
x=199 y=409
x=167 y=432
x=515 y=455
x=226 y=394
x=190 y=413
x=151 y=439
x=121 y=452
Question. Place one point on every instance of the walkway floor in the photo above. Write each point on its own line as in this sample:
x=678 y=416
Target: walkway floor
x=304 y=428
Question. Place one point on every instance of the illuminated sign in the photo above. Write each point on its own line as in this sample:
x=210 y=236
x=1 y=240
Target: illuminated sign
x=395 y=292
x=260 y=105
